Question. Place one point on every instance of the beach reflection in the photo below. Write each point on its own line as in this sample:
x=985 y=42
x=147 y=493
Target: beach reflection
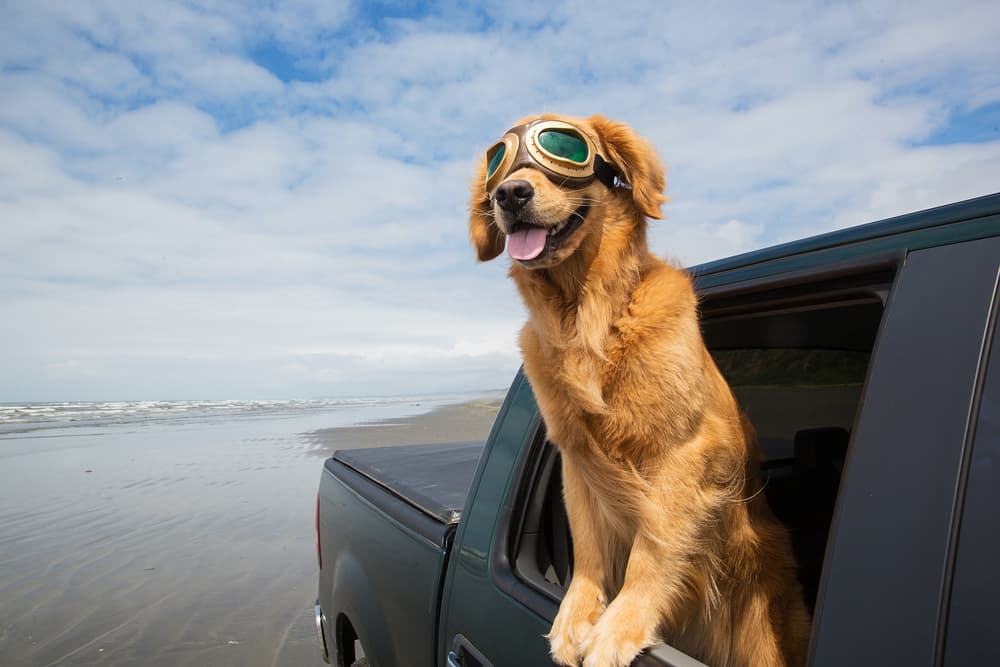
x=170 y=542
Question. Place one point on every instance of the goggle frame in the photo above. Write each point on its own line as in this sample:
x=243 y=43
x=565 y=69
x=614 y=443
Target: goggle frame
x=522 y=148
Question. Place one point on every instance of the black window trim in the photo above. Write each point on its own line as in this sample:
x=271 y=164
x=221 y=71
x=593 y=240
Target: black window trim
x=506 y=535
x=878 y=263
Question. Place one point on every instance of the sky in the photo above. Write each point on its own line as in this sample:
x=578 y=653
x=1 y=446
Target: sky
x=227 y=199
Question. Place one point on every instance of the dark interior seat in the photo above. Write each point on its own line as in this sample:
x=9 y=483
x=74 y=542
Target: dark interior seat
x=805 y=495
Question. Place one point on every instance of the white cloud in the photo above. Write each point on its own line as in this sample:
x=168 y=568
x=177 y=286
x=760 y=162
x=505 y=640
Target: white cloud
x=177 y=220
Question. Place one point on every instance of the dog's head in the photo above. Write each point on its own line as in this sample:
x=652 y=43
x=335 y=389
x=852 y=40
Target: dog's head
x=552 y=182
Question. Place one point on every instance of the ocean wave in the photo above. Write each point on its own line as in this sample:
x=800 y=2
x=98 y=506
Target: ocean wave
x=21 y=417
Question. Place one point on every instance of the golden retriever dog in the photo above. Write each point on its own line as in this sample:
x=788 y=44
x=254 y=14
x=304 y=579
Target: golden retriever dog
x=672 y=538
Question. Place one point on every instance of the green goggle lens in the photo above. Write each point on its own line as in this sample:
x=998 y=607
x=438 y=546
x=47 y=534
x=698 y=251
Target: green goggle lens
x=496 y=159
x=565 y=144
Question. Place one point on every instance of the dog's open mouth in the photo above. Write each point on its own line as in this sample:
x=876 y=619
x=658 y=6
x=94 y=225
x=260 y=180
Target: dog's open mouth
x=526 y=242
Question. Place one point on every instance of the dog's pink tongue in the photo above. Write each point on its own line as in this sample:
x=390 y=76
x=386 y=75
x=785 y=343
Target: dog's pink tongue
x=526 y=243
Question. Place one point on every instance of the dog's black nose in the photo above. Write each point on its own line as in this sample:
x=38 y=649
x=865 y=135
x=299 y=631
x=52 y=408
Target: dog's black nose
x=513 y=195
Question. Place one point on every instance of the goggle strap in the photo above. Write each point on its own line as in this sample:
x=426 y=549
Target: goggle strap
x=608 y=175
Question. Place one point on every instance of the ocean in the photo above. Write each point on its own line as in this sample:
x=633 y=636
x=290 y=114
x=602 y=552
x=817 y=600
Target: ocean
x=25 y=418
x=168 y=532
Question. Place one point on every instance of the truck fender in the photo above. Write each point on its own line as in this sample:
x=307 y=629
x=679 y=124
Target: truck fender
x=354 y=597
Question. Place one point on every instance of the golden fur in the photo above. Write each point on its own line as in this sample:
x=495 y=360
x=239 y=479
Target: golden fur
x=673 y=539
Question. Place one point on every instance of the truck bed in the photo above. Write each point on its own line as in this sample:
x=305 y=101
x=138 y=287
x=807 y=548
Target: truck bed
x=385 y=520
x=433 y=478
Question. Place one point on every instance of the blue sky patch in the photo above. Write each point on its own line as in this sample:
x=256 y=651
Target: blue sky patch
x=972 y=126
x=278 y=62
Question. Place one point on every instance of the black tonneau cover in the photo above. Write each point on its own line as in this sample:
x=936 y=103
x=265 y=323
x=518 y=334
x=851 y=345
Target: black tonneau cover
x=433 y=478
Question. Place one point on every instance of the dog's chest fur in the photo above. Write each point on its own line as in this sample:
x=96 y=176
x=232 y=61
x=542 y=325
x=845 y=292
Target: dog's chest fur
x=591 y=368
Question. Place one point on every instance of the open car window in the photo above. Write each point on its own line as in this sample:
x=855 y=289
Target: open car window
x=798 y=368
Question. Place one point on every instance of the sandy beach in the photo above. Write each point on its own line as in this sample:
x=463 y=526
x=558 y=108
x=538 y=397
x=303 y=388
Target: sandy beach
x=460 y=422
x=177 y=545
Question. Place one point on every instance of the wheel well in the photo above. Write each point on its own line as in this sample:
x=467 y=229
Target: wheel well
x=346 y=640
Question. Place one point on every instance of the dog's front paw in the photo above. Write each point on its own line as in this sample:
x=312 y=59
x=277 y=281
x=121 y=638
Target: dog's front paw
x=617 y=638
x=608 y=652
x=564 y=647
x=580 y=610
x=567 y=638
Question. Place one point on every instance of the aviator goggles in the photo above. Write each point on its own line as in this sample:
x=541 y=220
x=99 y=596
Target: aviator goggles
x=557 y=149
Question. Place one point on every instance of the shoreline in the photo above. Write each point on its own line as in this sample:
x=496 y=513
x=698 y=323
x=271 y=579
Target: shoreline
x=454 y=422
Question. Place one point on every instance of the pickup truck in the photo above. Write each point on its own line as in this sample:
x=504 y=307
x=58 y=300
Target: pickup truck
x=862 y=356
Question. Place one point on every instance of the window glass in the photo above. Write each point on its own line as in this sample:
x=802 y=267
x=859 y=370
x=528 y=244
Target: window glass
x=786 y=391
x=792 y=368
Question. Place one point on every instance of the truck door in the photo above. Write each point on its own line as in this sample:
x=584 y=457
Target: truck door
x=481 y=622
x=973 y=602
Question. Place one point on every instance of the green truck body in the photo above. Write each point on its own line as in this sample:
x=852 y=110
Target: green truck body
x=904 y=570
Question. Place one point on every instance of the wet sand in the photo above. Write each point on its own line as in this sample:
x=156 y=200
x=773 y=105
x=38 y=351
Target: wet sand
x=461 y=422
x=176 y=546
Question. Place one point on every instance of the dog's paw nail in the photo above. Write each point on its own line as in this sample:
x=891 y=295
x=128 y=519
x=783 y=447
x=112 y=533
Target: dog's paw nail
x=563 y=650
x=608 y=650
x=565 y=656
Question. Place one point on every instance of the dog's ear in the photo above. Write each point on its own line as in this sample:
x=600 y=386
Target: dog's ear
x=483 y=232
x=638 y=160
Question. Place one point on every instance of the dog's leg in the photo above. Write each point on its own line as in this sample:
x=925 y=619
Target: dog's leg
x=755 y=641
x=632 y=621
x=585 y=599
